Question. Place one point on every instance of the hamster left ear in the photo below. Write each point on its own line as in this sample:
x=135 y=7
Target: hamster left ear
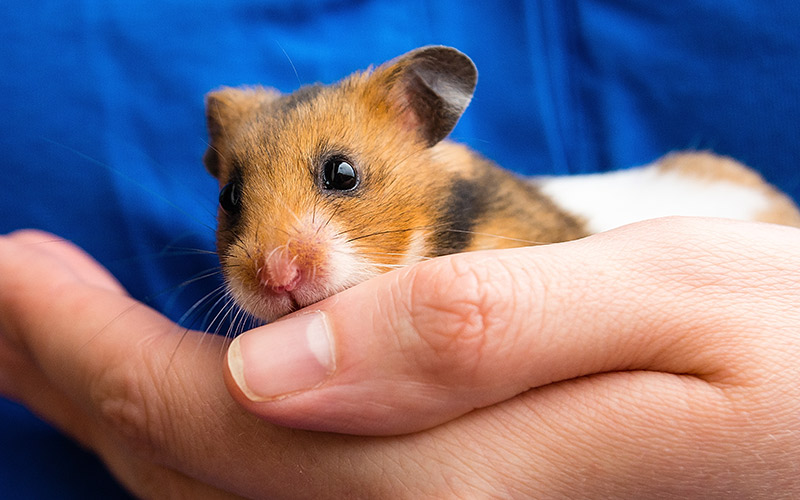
x=226 y=109
x=432 y=86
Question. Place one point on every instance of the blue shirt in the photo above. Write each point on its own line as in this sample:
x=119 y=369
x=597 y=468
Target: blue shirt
x=102 y=127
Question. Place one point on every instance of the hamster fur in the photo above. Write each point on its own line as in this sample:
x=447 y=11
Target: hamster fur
x=328 y=186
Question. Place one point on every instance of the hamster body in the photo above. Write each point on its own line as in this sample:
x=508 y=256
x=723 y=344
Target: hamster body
x=331 y=185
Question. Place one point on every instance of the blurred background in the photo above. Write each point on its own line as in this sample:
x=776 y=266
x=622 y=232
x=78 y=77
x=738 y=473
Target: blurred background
x=102 y=128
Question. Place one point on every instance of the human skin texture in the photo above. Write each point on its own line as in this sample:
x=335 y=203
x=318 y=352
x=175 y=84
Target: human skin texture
x=655 y=360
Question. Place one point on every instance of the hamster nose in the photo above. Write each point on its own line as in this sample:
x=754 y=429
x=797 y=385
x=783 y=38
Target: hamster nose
x=279 y=272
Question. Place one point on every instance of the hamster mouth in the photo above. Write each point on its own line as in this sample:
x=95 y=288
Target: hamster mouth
x=293 y=301
x=285 y=301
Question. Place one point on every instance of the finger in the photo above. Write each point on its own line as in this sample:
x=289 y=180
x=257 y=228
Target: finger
x=32 y=260
x=412 y=349
x=38 y=269
x=145 y=394
x=66 y=253
x=164 y=407
x=21 y=381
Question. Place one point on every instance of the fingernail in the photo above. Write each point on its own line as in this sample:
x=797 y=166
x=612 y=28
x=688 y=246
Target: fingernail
x=284 y=358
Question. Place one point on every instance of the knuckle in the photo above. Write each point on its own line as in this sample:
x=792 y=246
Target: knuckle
x=461 y=314
x=128 y=405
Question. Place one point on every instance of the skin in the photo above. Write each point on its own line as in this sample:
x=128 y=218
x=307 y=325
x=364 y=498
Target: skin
x=657 y=360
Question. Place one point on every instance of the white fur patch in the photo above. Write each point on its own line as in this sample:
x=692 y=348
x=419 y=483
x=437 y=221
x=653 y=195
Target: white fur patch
x=610 y=200
x=346 y=266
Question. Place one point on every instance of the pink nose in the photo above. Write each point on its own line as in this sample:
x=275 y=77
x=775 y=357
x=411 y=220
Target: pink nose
x=280 y=272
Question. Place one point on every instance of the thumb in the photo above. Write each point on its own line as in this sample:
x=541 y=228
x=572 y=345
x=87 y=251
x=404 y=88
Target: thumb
x=415 y=348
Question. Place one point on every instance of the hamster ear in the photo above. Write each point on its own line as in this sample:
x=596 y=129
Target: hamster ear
x=226 y=109
x=433 y=86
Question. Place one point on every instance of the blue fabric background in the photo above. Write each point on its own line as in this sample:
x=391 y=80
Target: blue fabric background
x=102 y=128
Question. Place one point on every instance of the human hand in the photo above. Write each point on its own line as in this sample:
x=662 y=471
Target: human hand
x=664 y=352
x=671 y=345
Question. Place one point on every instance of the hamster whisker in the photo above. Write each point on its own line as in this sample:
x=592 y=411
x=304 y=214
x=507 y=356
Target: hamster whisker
x=241 y=319
x=232 y=312
x=180 y=251
x=296 y=218
x=313 y=272
x=218 y=292
x=227 y=303
x=239 y=243
x=497 y=236
x=410 y=155
x=314 y=211
x=271 y=253
x=105 y=327
x=150 y=299
x=244 y=246
x=131 y=179
x=388 y=231
x=336 y=208
x=296 y=74
x=440 y=227
x=226 y=307
x=391 y=266
x=398 y=254
x=195 y=279
x=55 y=239
x=200 y=302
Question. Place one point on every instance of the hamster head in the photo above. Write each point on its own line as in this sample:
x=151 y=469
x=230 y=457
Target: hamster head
x=331 y=185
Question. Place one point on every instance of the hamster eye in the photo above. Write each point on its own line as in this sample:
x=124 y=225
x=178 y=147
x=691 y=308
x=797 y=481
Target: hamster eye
x=230 y=198
x=339 y=174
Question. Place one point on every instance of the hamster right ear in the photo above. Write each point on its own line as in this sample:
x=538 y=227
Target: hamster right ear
x=226 y=109
x=432 y=86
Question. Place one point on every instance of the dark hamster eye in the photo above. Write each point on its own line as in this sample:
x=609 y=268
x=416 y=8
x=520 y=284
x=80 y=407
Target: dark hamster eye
x=230 y=198
x=339 y=174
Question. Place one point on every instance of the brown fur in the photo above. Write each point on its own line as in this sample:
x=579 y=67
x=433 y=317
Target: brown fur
x=389 y=123
x=278 y=150
x=401 y=175
x=520 y=214
x=714 y=168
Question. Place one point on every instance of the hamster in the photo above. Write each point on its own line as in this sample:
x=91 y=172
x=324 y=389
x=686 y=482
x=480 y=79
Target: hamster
x=331 y=185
